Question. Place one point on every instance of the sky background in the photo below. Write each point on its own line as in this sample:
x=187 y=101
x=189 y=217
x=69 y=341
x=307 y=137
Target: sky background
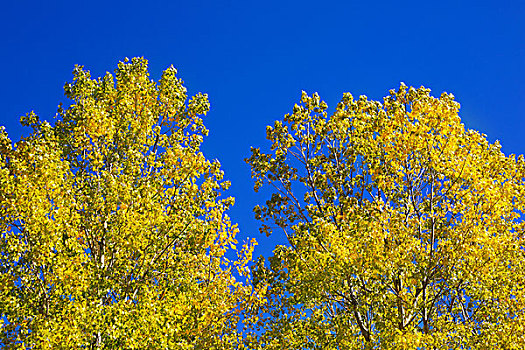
x=254 y=58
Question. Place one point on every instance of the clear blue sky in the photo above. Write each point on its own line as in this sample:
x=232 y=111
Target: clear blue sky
x=254 y=58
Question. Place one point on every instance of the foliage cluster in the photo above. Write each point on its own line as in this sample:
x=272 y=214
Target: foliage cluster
x=405 y=229
x=114 y=231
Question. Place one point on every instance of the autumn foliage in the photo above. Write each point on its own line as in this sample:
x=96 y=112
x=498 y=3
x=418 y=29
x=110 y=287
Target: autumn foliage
x=114 y=230
x=404 y=228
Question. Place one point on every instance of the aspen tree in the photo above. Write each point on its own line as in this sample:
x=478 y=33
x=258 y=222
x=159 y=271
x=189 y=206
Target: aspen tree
x=405 y=229
x=113 y=224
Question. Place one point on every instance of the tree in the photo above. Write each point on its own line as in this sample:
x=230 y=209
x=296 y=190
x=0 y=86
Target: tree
x=405 y=229
x=113 y=228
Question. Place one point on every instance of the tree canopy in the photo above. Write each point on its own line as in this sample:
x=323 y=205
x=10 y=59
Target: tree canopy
x=113 y=228
x=405 y=229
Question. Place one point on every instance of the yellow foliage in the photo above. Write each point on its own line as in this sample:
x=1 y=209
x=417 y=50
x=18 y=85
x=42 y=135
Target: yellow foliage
x=113 y=231
x=405 y=229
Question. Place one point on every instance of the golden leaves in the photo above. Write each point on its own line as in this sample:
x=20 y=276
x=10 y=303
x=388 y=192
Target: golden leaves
x=113 y=227
x=397 y=218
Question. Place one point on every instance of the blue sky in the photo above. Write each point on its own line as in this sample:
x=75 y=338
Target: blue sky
x=254 y=58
